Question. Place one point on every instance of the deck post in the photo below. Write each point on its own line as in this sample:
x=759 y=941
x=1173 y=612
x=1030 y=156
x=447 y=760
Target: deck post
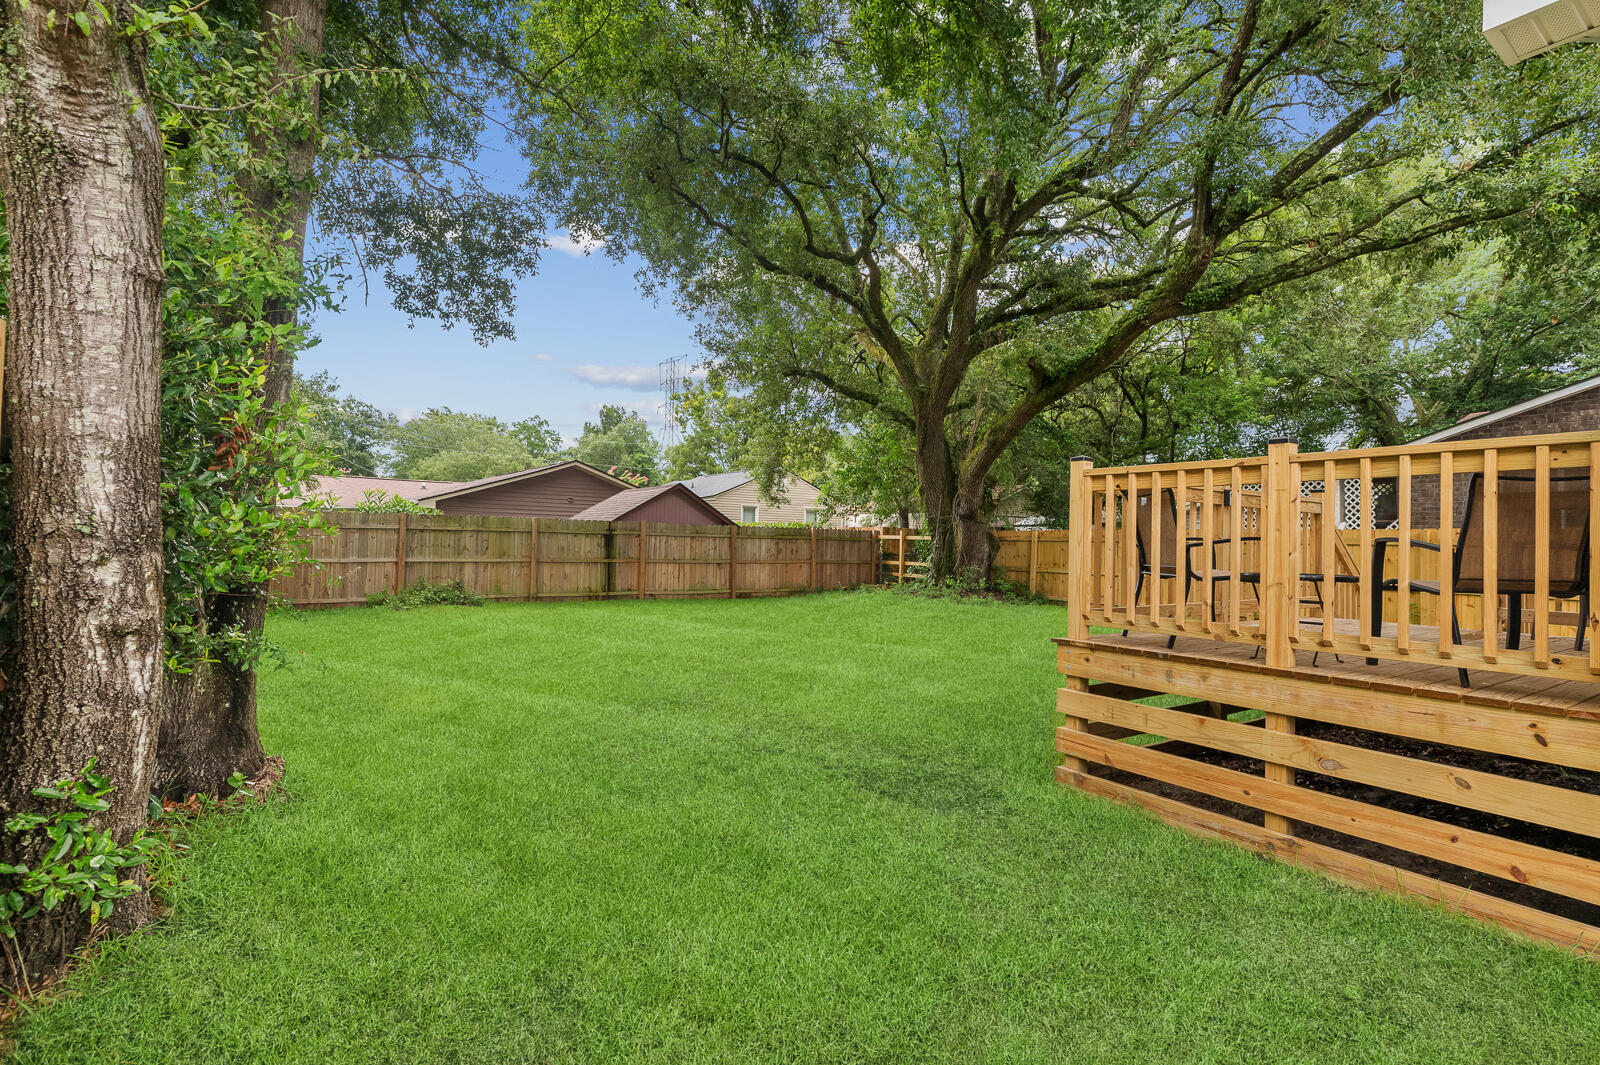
x=1080 y=573
x=1279 y=534
x=1280 y=592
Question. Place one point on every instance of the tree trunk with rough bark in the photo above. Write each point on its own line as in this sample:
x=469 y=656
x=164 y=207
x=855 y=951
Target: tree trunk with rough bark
x=975 y=541
x=208 y=730
x=937 y=478
x=81 y=174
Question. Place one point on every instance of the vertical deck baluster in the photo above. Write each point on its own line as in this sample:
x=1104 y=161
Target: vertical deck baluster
x=1153 y=548
x=1366 y=518
x=1130 y=555
x=1541 y=556
x=1108 y=549
x=1592 y=621
x=1330 y=554
x=1208 y=532
x=1235 y=547
x=1491 y=555
x=1447 y=552
x=1402 y=597
x=1180 y=564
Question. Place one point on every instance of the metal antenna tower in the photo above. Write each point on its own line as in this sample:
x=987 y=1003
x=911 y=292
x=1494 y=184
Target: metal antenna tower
x=671 y=385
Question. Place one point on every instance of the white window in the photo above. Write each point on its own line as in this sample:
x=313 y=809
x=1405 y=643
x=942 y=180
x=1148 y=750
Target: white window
x=811 y=515
x=748 y=515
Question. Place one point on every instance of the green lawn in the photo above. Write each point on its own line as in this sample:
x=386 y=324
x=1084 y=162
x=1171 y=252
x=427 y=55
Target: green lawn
x=815 y=829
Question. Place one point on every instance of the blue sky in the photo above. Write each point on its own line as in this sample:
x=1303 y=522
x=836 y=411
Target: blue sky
x=586 y=336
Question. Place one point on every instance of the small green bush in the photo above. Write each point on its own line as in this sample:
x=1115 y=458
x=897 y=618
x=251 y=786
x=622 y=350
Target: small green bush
x=445 y=593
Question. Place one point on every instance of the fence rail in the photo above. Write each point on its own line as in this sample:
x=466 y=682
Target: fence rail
x=1035 y=557
x=560 y=559
x=1241 y=550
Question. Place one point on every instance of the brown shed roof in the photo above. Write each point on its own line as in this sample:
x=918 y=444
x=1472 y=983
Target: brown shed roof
x=507 y=478
x=622 y=505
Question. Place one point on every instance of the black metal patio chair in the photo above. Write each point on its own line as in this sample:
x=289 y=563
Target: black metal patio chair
x=1517 y=545
x=1174 y=545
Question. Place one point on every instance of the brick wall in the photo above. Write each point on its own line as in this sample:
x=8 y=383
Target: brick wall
x=1576 y=413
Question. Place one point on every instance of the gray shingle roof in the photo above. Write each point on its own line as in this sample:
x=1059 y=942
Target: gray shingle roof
x=714 y=484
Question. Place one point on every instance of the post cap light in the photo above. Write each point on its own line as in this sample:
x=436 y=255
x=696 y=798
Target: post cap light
x=1521 y=29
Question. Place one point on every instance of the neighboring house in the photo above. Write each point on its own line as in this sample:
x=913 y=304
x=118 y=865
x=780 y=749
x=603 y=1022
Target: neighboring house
x=671 y=503
x=1573 y=409
x=559 y=490
x=348 y=492
x=737 y=497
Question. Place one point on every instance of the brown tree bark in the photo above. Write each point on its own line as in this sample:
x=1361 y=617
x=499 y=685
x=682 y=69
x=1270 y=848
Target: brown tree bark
x=208 y=727
x=81 y=174
x=936 y=476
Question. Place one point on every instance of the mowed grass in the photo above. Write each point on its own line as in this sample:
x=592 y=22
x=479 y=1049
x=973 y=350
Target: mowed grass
x=817 y=829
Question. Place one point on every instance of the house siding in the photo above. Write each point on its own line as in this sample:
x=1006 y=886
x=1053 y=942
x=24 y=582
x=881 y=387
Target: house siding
x=798 y=496
x=558 y=494
x=674 y=509
x=1576 y=413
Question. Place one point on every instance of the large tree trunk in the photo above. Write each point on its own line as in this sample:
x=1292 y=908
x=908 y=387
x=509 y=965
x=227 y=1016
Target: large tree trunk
x=975 y=542
x=208 y=729
x=81 y=173
x=937 y=478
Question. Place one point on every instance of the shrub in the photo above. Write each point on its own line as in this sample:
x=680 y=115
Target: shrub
x=445 y=593
x=82 y=863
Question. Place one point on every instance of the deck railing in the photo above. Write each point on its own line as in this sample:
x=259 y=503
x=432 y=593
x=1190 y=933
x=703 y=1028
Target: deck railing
x=1251 y=550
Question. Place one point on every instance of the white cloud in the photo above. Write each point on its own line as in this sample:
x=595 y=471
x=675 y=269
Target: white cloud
x=577 y=247
x=633 y=378
x=542 y=357
x=405 y=414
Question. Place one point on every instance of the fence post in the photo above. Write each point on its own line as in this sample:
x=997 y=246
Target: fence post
x=1079 y=539
x=814 y=585
x=642 y=543
x=1033 y=562
x=533 y=559
x=877 y=557
x=733 y=562
x=400 y=555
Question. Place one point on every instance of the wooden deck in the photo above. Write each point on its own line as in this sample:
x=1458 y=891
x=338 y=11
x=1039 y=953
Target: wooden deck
x=1484 y=799
x=1548 y=695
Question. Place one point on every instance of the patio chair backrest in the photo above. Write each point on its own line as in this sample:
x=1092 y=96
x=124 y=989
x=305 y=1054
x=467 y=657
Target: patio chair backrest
x=1568 y=534
x=1174 y=539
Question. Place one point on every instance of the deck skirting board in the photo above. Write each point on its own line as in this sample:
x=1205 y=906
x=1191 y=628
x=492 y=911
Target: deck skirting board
x=1097 y=701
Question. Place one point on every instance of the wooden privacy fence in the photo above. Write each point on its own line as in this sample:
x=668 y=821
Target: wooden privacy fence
x=560 y=559
x=1035 y=557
